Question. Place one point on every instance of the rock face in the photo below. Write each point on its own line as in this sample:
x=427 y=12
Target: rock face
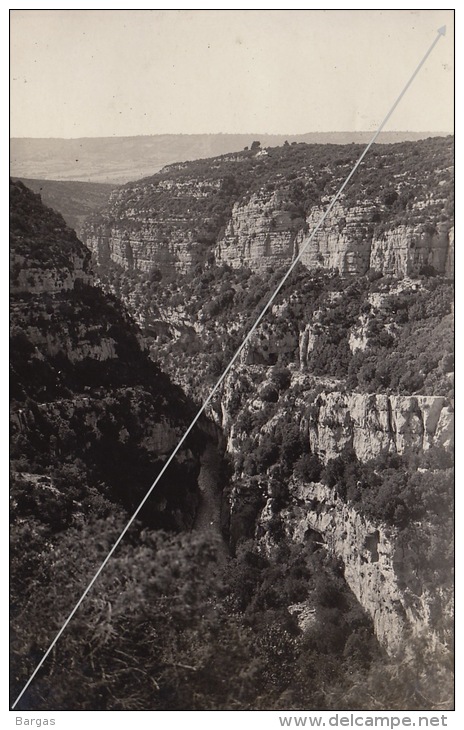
x=373 y=423
x=45 y=255
x=373 y=567
x=83 y=387
x=143 y=250
x=405 y=250
x=257 y=210
x=158 y=433
x=377 y=564
x=259 y=234
x=343 y=242
x=265 y=346
x=153 y=225
x=37 y=280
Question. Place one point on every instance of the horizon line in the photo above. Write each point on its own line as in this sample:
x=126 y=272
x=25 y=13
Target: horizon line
x=439 y=133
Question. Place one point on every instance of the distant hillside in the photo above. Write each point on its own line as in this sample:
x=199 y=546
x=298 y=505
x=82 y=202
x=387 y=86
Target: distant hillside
x=254 y=208
x=74 y=200
x=120 y=159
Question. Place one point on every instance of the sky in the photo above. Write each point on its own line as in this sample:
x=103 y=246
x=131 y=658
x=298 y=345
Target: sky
x=91 y=73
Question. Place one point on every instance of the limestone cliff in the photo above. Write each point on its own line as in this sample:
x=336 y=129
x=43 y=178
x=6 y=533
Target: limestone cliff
x=142 y=250
x=259 y=234
x=405 y=250
x=84 y=390
x=153 y=224
x=374 y=567
x=372 y=424
x=45 y=255
x=382 y=567
x=256 y=210
x=36 y=279
x=88 y=399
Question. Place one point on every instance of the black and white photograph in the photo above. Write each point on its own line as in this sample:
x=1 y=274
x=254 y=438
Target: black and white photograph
x=232 y=363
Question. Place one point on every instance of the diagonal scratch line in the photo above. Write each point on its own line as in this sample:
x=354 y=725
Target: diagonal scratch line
x=441 y=32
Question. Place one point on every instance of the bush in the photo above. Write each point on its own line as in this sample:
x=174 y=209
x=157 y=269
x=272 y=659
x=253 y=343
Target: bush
x=281 y=377
x=308 y=468
x=269 y=393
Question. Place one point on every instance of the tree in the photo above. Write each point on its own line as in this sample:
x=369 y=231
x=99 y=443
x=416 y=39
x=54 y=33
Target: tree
x=155 y=275
x=390 y=196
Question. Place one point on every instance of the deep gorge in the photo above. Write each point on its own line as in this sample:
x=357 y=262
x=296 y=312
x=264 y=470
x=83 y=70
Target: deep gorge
x=300 y=548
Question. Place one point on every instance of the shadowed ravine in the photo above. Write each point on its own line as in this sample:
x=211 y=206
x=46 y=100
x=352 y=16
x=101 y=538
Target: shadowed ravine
x=208 y=516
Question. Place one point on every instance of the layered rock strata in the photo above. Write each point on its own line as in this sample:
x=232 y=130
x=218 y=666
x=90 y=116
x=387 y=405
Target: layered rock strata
x=374 y=568
x=374 y=423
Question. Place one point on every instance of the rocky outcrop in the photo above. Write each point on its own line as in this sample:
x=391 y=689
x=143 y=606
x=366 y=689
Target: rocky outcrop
x=84 y=390
x=406 y=250
x=381 y=567
x=374 y=568
x=37 y=280
x=259 y=234
x=343 y=242
x=371 y=424
x=358 y=337
x=45 y=255
x=90 y=344
x=155 y=224
x=266 y=345
x=143 y=250
x=257 y=211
